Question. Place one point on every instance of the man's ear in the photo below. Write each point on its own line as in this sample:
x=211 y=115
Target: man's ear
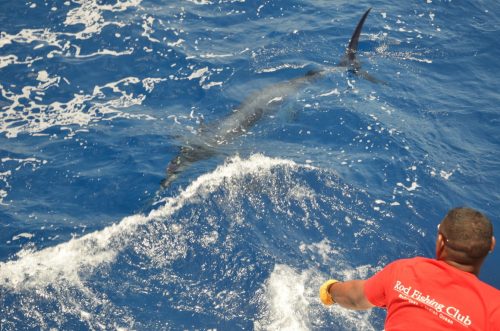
x=439 y=245
x=493 y=242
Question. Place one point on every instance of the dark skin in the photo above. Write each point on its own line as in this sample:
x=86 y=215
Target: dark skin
x=350 y=294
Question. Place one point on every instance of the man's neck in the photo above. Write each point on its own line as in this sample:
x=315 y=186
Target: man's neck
x=473 y=269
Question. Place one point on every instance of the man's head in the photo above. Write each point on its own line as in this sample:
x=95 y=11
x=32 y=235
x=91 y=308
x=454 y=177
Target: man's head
x=465 y=237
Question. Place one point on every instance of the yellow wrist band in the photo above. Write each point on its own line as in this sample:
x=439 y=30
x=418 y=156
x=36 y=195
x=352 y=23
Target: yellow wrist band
x=324 y=294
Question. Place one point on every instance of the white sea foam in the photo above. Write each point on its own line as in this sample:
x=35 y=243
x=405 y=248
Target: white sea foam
x=81 y=110
x=332 y=92
x=412 y=187
x=98 y=53
x=23 y=235
x=27 y=36
x=203 y=74
x=281 y=67
x=215 y=56
x=13 y=59
x=72 y=261
x=198 y=73
x=150 y=83
x=324 y=249
x=147 y=26
x=26 y=111
x=291 y=302
x=90 y=14
x=179 y=42
x=443 y=173
x=15 y=164
x=201 y=2
x=287 y=300
x=290 y=296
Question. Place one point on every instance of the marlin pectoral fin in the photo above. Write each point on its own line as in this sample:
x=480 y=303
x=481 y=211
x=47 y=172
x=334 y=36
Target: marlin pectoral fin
x=370 y=78
x=164 y=183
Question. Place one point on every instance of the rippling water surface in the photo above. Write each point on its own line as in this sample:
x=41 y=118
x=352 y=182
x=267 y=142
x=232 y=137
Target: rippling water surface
x=346 y=175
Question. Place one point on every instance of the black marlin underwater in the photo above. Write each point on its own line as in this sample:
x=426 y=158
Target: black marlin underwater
x=254 y=107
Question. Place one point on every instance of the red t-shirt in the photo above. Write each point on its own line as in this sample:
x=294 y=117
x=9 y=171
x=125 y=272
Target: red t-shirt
x=427 y=294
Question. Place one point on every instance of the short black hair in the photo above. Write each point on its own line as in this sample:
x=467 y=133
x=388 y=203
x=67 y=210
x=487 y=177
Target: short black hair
x=468 y=233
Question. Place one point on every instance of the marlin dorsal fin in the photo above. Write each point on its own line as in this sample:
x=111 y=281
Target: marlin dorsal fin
x=349 y=59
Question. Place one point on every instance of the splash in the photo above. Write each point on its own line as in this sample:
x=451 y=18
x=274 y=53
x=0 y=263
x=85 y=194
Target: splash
x=165 y=245
x=288 y=300
x=72 y=261
x=292 y=303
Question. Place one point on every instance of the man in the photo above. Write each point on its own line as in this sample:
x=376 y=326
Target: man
x=432 y=294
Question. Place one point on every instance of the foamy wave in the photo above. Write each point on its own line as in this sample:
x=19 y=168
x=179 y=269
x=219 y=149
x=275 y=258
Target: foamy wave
x=234 y=168
x=71 y=261
x=64 y=262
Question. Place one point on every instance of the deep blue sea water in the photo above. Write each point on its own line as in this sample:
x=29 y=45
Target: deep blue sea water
x=347 y=175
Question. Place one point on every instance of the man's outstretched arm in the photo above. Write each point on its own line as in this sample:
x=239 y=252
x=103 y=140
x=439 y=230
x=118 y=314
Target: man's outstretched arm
x=349 y=294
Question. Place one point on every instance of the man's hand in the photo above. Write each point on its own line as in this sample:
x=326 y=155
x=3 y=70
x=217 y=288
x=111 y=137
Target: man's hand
x=324 y=292
x=349 y=294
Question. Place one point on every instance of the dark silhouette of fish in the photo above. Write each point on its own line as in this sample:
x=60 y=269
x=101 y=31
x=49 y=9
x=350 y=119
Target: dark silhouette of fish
x=254 y=108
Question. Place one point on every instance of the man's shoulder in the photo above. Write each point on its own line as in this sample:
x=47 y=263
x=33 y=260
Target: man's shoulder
x=419 y=265
x=430 y=266
x=414 y=261
x=490 y=291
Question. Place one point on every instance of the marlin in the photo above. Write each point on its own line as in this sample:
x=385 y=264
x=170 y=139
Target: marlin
x=255 y=107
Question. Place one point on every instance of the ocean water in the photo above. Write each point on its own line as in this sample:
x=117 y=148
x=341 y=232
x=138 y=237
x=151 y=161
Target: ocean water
x=347 y=175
